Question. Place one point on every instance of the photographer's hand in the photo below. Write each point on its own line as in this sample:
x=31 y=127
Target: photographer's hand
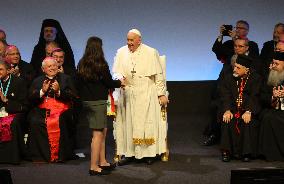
x=232 y=34
x=221 y=30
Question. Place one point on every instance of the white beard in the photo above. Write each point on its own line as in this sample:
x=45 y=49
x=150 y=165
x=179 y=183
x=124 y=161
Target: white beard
x=275 y=78
x=235 y=75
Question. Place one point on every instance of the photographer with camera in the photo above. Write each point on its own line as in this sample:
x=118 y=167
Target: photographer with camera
x=239 y=44
x=224 y=51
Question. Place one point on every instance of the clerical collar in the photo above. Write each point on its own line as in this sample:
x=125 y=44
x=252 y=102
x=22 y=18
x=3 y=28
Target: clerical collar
x=5 y=80
x=49 y=77
x=138 y=49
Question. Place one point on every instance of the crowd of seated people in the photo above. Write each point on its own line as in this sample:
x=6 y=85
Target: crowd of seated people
x=38 y=98
x=248 y=101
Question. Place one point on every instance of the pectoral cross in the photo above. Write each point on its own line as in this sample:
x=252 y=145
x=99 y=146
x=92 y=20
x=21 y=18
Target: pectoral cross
x=133 y=72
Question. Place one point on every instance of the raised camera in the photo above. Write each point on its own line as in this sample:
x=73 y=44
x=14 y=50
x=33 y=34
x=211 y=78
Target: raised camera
x=228 y=28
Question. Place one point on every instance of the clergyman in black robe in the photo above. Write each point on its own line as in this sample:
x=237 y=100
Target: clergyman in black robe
x=20 y=69
x=240 y=104
x=213 y=129
x=51 y=30
x=13 y=105
x=51 y=118
x=271 y=143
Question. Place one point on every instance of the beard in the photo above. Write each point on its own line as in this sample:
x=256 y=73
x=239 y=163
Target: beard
x=275 y=78
x=235 y=75
x=50 y=38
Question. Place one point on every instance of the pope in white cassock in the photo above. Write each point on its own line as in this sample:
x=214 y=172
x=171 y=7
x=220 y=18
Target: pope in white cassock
x=138 y=131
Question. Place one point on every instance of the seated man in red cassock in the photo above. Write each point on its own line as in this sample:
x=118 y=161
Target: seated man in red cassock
x=52 y=95
x=13 y=104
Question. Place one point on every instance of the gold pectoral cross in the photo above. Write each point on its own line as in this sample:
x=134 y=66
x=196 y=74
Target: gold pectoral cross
x=239 y=101
x=133 y=72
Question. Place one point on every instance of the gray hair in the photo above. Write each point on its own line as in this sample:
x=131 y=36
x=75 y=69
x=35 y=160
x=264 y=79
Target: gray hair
x=47 y=59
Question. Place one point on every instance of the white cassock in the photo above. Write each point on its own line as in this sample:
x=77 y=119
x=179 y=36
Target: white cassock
x=138 y=130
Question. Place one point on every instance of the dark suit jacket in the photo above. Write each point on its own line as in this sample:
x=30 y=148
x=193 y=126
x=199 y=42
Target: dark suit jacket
x=27 y=72
x=225 y=51
x=266 y=55
x=16 y=95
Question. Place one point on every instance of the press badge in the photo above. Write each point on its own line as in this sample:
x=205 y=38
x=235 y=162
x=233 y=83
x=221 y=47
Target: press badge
x=282 y=104
x=3 y=112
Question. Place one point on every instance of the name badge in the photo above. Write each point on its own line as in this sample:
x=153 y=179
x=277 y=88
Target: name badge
x=3 y=112
x=281 y=103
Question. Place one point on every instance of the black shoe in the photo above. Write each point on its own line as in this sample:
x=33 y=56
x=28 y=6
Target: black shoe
x=97 y=173
x=149 y=160
x=246 y=158
x=210 y=141
x=110 y=167
x=125 y=161
x=225 y=157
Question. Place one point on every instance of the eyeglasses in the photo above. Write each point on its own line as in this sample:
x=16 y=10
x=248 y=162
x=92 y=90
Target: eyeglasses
x=243 y=28
x=239 y=46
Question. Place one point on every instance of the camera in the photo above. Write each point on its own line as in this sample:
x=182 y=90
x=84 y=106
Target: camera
x=227 y=29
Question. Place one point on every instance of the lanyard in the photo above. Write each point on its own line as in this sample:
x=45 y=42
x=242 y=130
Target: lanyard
x=7 y=87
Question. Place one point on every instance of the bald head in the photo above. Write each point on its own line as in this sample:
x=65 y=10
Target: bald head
x=278 y=30
x=12 y=54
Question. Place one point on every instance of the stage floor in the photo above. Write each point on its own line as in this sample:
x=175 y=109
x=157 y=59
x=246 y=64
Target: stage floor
x=190 y=162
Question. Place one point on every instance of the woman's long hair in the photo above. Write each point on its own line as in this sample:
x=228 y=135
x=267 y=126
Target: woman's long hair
x=92 y=66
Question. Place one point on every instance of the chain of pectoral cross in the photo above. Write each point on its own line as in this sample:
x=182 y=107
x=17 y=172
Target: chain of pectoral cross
x=239 y=100
x=133 y=72
x=133 y=62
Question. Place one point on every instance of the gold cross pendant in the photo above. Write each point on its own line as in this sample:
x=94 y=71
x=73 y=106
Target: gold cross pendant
x=133 y=72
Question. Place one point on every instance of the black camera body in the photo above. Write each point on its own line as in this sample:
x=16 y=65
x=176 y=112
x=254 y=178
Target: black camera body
x=227 y=29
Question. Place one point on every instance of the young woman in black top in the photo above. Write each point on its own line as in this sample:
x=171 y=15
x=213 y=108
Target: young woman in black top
x=94 y=80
